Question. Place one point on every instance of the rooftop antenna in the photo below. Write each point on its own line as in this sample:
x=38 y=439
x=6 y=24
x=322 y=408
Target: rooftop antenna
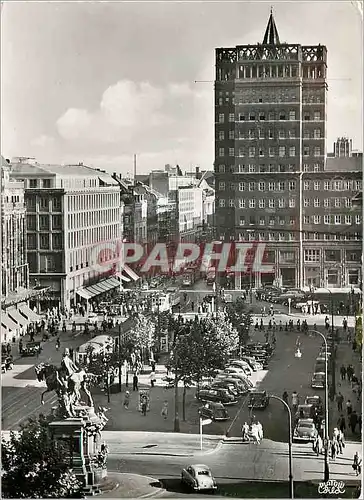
x=135 y=168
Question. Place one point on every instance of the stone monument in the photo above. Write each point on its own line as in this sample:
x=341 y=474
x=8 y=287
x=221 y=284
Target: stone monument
x=76 y=425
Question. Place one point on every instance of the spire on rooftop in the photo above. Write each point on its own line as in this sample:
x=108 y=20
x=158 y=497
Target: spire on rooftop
x=271 y=36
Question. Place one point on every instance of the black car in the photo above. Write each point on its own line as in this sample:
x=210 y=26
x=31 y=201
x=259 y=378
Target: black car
x=217 y=396
x=258 y=400
x=215 y=411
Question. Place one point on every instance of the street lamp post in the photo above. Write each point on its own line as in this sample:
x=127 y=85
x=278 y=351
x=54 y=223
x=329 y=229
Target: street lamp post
x=326 y=447
x=290 y=461
x=119 y=355
x=333 y=355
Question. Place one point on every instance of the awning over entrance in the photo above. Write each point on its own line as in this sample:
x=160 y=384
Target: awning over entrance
x=89 y=292
x=7 y=322
x=17 y=317
x=28 y=313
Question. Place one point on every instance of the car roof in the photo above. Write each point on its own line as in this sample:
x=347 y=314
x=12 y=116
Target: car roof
x=319 y=373
x=199 y=467
x=257 y=391
x=305 y=406
x=315 y=396
x=305 y=421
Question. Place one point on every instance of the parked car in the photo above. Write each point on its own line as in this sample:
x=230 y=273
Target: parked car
x=246 y=371
x=243 y=378
x=222 y=384
x=305 y=430
x=252 y=362
x=217 y=396
x=318 y=380
x=305 y=411
x=215 y=411
x=198 y=477
x=240 y=386
x=316 y=402
x=242 y=365
x=258 y=399
x=31 y=349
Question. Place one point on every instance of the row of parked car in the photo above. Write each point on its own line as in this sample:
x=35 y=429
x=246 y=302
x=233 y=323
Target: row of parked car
x=233 y=381
x=309 y=416
x=293 y=296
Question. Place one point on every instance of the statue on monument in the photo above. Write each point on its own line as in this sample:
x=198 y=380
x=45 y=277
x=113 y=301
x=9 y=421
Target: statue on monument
x=67 y=381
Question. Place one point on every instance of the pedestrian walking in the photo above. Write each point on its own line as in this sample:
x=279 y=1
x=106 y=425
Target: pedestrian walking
x=350 y=372
x=349 y=408
x=357 y=464
x=343 y=372
x=341 y=442
x=317 y=445
x=58 y=344
x=168 y=369
x=245 y=431
x=135 y=382
x=260 y=431
x=340 y=401
x=164 y=411
x=127 y=400
x=152 y=378
x=353 y=421
x=334 y=448
x=152 y=364
x=285 y=396
x=341 y=423
x=294 y=401
x=144 y=405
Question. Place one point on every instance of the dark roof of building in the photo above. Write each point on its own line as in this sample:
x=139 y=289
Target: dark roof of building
x=271 y=36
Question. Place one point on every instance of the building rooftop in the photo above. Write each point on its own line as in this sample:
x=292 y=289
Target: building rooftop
x=80 y=170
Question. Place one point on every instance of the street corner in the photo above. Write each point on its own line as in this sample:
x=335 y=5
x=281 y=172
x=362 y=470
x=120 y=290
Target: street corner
x=127 y=485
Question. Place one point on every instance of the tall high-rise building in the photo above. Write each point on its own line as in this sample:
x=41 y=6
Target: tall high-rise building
x=270 y=129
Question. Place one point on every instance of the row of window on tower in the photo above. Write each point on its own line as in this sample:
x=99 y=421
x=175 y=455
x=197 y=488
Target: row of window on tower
x=287 y=203
x=270 y=96
x=268 y=134
x=243 y=168
x=291 y=186
x=271 y=152
x=271 y=116
x=329 y=219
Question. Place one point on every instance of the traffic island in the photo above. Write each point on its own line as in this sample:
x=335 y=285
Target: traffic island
x=125 y=485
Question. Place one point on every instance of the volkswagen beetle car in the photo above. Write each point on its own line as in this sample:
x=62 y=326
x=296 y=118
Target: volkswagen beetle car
x=318 y=380
x=198 y=477
x=305 y=430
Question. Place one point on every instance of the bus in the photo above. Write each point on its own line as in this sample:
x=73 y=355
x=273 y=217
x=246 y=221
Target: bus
x=188 y=278
x=99 y=345
x=174 y=295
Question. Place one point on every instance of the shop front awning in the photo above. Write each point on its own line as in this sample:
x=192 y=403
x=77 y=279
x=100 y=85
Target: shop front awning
x=7 y=322
x=91 y=291
x=17 y=317
x=28 y=313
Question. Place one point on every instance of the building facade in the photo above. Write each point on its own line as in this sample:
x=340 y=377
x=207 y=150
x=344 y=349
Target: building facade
x=14 y=267
x=73 y=217
x=190 y=212
x=270 y=134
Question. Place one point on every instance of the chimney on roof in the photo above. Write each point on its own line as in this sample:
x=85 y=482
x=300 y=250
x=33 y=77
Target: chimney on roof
x=197 y=172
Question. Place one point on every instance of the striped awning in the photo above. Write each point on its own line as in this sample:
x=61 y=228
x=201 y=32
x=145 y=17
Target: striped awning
x=93 y=290
x=28 y=313
x=17 y=317
x=7 y=323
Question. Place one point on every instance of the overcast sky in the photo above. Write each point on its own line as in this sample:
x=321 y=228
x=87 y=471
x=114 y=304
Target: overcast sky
x=98 y=82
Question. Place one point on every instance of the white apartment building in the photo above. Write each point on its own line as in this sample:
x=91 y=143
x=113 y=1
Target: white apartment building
x=74 y=220
x=190 y=207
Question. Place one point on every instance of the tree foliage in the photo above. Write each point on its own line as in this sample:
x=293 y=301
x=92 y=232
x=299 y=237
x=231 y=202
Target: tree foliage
x=240 y=318
x=143 y=334
x=33 y=467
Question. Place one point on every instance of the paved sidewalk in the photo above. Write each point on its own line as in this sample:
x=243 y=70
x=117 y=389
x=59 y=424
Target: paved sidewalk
x=130 y=486
x=318 y=319
x=346 y=355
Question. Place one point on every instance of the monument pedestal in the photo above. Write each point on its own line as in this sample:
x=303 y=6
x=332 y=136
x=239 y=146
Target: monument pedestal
x=78 y=436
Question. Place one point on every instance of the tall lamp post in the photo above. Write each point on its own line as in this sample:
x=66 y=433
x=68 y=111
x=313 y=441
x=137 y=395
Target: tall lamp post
x=290 y=461
x=333 y=356
x=326 y=448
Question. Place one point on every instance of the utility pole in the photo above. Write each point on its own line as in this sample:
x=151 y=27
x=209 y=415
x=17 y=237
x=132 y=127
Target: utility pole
x=333 y=356
x=176 y=406
x=119 y=355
